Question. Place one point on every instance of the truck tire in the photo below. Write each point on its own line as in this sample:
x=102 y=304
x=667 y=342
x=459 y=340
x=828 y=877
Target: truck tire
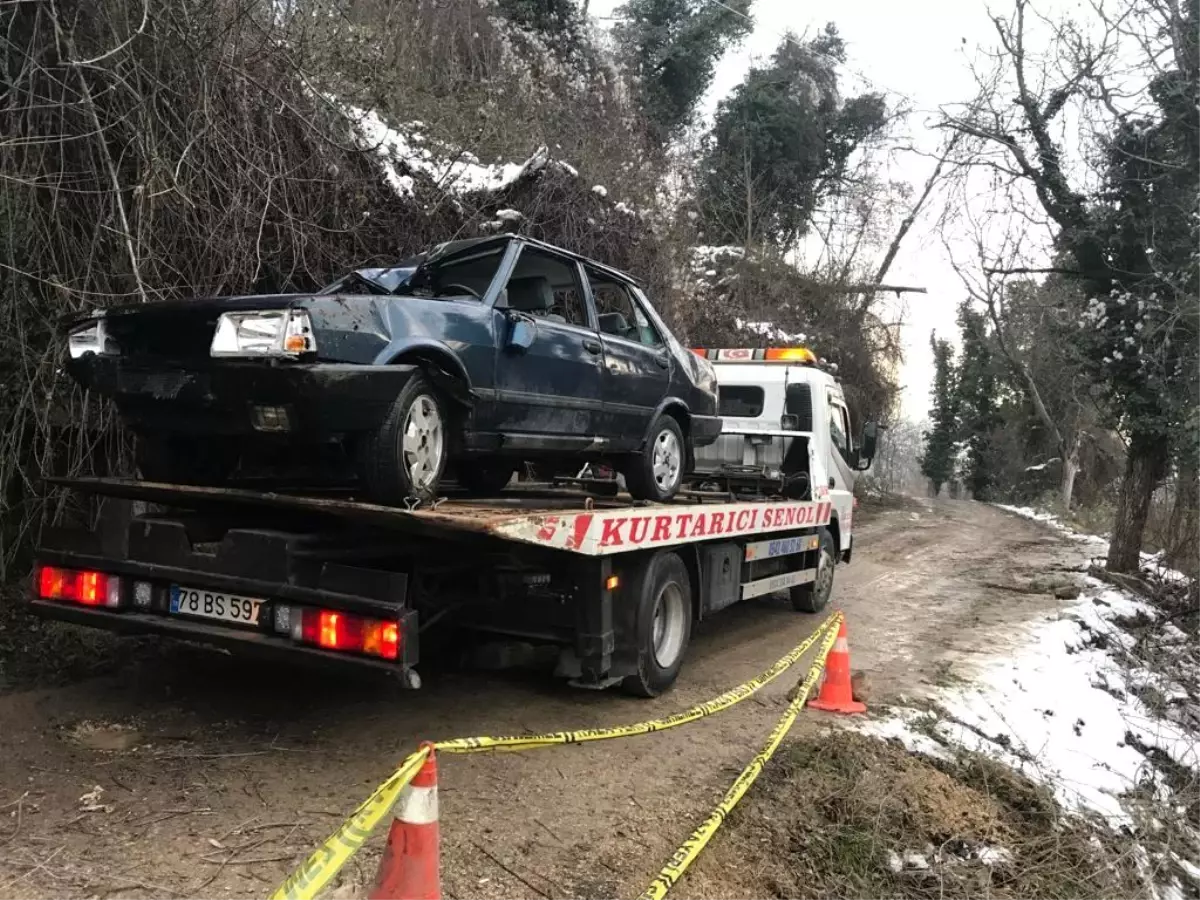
x=485 y=476
x=179 y=460
x=814 y=596
x=657 y=472
x=662 y=624
x=405 y=458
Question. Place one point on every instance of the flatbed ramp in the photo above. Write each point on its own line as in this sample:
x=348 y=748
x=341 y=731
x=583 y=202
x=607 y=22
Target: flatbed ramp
x=555 y=520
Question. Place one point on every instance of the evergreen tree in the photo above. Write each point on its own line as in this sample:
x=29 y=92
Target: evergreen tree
x=781 y=142
x=937 y=462
x=978 y=415
x=558 y=19
x=672 y=48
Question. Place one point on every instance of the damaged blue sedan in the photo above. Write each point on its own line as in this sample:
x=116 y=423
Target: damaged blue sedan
x=478 y=355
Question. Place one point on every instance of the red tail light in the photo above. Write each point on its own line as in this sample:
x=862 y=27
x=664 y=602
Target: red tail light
x=341 y=631
x=78 y=586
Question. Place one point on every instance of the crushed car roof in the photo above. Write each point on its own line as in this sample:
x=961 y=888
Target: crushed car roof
x=453 y=248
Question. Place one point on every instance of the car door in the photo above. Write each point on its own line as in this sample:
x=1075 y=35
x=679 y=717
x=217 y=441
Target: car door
x=637 y=363
x=549 y=393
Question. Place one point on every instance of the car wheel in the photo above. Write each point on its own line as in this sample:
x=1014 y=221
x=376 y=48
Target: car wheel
x=657 y=472
x=404 y=459
x=485 y=476
x=175 y=459
x=814 y=596
x=662 y=625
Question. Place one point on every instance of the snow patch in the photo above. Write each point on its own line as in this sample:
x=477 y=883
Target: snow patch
x=406 y=151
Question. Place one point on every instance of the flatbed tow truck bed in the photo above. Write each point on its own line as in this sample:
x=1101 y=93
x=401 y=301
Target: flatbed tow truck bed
x=615 y=585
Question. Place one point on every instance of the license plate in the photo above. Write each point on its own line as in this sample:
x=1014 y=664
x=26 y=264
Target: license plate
x=186 y=601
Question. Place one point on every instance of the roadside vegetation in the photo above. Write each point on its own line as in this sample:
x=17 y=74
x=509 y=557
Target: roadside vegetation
x=1077 y=381
x=842 y=814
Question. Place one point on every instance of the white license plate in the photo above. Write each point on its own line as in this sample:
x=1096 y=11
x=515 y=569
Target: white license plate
x=186 y=601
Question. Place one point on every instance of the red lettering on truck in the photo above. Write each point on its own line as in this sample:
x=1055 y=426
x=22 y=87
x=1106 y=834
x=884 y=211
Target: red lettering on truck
x=611 y=535
x=662 y=528
x=638 y=528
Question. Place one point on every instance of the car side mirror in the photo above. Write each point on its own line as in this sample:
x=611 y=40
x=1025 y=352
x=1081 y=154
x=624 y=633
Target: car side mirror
x=866 y=448
x=521 y=331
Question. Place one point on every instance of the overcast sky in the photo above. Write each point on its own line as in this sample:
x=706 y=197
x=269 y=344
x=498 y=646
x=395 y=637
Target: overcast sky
x=913 y=49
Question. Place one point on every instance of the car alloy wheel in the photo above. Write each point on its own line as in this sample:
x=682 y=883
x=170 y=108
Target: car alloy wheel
x=422 y=442
x=667 y=461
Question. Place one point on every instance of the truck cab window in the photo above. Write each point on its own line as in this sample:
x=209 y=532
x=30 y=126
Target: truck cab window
x=619 y=313
x=741 y=401
x=839 y=429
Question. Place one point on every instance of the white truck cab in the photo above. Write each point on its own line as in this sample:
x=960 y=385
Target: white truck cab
x=785 y=430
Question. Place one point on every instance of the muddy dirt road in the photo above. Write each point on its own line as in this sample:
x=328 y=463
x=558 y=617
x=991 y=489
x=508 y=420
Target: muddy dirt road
x=218 y=775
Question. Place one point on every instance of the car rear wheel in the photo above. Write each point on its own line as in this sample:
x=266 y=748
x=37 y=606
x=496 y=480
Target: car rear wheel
x=814 y=596
x=185 y=460
x=657 y=472
x=485 y=476
x=405 y=458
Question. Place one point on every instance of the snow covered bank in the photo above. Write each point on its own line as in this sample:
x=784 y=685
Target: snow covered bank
x=1074 y=702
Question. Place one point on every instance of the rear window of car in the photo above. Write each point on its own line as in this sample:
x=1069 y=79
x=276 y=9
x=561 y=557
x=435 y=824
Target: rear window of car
x=741 y=401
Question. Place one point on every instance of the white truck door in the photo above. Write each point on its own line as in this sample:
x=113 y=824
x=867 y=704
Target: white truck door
x=841 y=473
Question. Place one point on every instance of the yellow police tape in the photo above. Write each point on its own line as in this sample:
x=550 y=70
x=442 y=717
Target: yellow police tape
x=674 y=868
x=320 y=868
x=308 y=880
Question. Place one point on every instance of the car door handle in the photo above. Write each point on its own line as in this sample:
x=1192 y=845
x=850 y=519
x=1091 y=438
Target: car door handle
x=591 y=346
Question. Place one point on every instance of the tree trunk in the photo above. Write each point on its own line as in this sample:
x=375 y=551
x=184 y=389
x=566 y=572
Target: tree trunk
x=1070 y=469
x=1180 y=540
x=1144 y=468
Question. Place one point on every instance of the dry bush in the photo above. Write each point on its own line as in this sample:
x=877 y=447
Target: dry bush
x=839 y=326
x=197 y=152
x=836 y=806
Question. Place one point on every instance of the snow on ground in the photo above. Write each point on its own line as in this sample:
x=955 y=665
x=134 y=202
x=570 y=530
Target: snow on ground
x=1062 y=703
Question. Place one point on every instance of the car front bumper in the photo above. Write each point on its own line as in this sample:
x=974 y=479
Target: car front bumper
x=228 y=397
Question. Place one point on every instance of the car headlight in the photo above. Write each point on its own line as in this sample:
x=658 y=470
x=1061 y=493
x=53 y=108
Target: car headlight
x=91 y=337
x=274 y=332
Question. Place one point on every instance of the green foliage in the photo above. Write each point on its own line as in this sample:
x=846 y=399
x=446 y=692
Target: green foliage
x=672 y=47
x=560 y=19
x=937 y=461
x=977 y=402
x=781 y=142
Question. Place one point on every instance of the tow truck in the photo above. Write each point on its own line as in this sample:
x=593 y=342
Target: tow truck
x=615 y=585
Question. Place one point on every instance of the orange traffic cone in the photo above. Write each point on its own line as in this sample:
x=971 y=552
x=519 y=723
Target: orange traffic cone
x=410 y=867
x=837 y=695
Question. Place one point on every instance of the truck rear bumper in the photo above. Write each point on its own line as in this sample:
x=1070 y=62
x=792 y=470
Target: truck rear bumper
x=267 y=646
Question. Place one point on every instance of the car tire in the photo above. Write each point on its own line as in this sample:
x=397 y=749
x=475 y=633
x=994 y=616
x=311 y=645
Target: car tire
x=485 y=476
x=662 y=624
x=403 y=460
x=657 y=472
x=814 y=596
x=174 y=459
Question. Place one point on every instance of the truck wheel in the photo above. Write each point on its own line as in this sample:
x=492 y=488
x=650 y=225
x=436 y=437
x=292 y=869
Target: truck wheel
x=175 y=459
x=814 y=596
x=657 y=472
x=663 y=624
x=405 y=458
x=485 y=476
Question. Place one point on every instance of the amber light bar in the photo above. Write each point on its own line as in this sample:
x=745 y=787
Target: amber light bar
x=801 y=355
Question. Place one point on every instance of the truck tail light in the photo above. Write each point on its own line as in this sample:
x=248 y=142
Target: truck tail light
x=332 y=630
x=79 y=586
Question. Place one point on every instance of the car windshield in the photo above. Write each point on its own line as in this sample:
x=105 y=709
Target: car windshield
x=459 y=276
